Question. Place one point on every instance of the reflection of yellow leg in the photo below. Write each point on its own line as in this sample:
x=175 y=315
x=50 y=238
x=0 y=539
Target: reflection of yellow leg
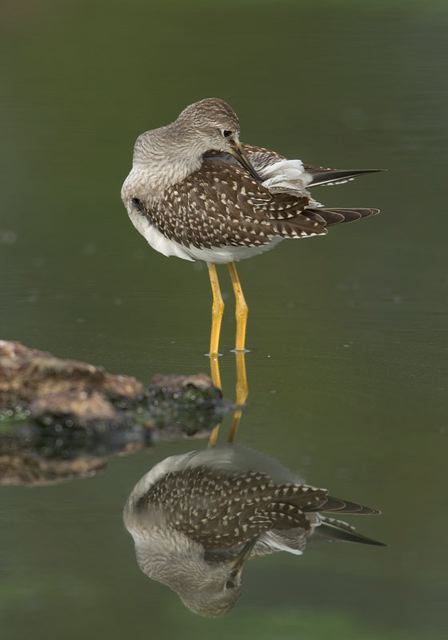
x=241 y=309
x=217 y=310
x=216 y=379
x=242 y=391
x=215 y=373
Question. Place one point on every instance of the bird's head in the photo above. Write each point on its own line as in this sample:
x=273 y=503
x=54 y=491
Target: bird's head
x=214 y=126
x=207 y=584
x=214 y=591
x=213 y=596
x=168 y=154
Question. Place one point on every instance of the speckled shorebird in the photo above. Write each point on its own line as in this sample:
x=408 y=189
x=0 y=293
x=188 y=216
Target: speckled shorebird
x=197 y=193
x=197 y=517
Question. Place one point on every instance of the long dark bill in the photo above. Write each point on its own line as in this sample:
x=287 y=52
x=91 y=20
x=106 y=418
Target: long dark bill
x=238 y=153
x=243 y=556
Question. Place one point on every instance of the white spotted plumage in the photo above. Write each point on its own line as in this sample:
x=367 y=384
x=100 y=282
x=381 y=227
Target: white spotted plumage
x=197 y=204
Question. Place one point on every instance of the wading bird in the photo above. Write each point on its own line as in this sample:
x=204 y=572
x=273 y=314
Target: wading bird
x=197 y=193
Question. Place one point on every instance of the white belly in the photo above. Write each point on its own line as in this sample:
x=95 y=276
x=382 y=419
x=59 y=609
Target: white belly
x=217 y=255
x=223 y=255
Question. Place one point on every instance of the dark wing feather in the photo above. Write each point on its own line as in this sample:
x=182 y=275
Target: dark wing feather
x=222 y=510
x=329 y=217
x=222 y=205
x=322 y=176
x=340 y=530
x=333 y=505
x=262 y=158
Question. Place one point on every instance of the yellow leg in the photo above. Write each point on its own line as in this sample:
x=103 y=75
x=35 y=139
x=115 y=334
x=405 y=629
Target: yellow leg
x=216 y=379
x=217 y=310
x=241 y=309
x=242 y=391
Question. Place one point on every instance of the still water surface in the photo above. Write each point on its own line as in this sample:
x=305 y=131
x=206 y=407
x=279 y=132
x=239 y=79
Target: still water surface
x=348 y=338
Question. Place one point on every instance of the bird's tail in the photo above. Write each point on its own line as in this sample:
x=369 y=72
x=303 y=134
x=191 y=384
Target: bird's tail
x=339 y=530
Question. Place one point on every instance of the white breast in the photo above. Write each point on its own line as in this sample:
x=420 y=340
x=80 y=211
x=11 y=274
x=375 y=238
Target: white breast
x=156 y=239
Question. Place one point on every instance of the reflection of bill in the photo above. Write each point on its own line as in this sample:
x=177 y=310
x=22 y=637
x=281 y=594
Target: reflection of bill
x=197 y=517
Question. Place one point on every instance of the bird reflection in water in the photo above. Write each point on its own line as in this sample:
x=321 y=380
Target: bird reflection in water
x=196 y=518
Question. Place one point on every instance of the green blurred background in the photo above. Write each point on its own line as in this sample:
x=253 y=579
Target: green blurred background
x=348 y=334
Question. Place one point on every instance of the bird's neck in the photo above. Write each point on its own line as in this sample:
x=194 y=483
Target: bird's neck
x=171 y=157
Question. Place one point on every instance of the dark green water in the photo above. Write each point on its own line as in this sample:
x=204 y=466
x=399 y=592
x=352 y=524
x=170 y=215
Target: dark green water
x=348 y=367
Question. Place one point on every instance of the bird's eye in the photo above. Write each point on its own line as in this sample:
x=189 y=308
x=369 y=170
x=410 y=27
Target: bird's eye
x=137 y=204
x=230 y=584
x=226 y=133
